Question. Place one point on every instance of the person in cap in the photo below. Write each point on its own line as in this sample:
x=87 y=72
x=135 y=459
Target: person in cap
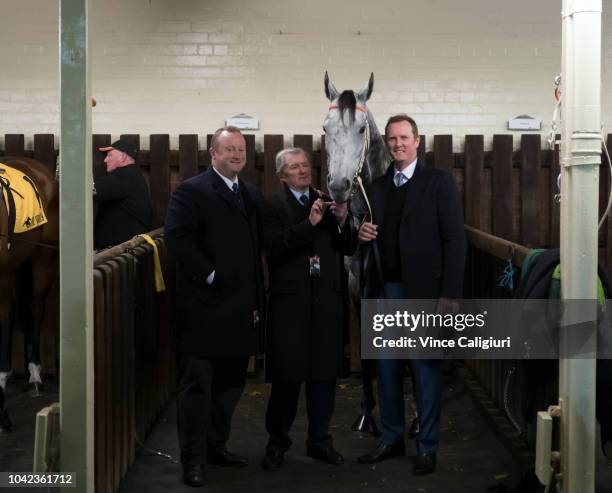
x=121 y=197
x=304 y=235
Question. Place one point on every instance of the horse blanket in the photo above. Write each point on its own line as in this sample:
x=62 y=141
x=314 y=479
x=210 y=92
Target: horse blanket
x=25 y=209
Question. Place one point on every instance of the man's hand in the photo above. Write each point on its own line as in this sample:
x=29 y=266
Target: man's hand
x=316 y=211
x=367 y=232
x=340 y=211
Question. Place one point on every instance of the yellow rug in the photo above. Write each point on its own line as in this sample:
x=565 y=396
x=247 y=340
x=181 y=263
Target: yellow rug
x=22 y=200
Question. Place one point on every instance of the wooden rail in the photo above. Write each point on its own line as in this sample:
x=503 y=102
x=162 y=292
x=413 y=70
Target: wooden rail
x=134 y=357
x=503 y=389
x=110 y=253
x=498 y=247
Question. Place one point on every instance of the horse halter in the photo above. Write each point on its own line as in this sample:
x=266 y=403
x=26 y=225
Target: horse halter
x=357 y=181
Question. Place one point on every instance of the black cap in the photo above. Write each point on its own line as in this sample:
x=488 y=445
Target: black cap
x=123 y=146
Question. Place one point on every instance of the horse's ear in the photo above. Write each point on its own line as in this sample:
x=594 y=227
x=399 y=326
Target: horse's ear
x=366 y=92
x=330 y=91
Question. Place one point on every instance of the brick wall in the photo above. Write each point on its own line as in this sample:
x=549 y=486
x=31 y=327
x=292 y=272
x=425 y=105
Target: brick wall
x=182 y=66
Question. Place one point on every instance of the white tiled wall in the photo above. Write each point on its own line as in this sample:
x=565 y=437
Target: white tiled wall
x=182 y=66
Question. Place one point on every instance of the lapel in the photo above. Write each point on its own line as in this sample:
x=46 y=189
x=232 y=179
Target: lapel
x=297 y=212
x=250 y=208
x=223 y=191
x=416 y=187
x=379 y=193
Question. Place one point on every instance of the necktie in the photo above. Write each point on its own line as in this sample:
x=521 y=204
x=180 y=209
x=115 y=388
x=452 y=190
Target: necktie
x=304 y=200
x=400 y=179
x=236 y=190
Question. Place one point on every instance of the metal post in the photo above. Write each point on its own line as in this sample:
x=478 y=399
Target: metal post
x=76 y=254
x=580 y=160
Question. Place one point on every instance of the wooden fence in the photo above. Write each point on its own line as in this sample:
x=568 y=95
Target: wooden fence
x=507 y=192
x=500 y=387
x=134 y=358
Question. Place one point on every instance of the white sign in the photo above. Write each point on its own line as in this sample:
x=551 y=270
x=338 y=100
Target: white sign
x=243 y=122
x=524 y=122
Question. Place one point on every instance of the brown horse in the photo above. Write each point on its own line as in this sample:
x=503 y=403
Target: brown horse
x=38 y=245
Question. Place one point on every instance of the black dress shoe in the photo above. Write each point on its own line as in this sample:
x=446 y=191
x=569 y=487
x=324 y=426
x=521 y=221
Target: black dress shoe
x=424 y=464
x=325 y=454
x=414 y=429
x=227 y=459
x=273 y=460
x=194 y=476
x=382 y=452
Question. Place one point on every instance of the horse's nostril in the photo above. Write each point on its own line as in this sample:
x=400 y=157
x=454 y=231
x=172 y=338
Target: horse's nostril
x=329 y=179
x=347 y=183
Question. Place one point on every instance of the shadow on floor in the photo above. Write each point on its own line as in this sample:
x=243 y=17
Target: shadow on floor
x=471 y=459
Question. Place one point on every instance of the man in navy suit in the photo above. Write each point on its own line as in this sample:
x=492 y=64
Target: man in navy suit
x=418 y=225
x=212 y=231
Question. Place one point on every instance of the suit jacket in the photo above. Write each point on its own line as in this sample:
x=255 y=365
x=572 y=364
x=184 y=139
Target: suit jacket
x=124 y=207
x=206 y=229
x=304 y=325
x=431 y=234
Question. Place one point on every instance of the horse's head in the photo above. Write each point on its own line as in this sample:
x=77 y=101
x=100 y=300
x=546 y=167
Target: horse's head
x=347 y=137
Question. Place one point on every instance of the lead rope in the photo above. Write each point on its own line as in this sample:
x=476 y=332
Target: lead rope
x=359 y=181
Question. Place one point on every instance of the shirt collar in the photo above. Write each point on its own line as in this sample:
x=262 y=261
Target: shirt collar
x=297 y=194
x=227 y=181
x=408 y=171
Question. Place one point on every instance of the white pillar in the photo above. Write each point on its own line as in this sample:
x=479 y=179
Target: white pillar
x=580 y=160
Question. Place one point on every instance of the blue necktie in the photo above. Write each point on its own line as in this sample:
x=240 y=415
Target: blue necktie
x=400 y=179
x=304 y=200
x=235 y=188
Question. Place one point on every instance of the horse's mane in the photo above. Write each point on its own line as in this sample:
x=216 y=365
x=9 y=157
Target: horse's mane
x=347 y=101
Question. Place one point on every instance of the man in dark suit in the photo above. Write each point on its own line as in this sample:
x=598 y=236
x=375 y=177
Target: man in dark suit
x=304 y=235
x=212 y=231
x=418 y=224
x=121 y=196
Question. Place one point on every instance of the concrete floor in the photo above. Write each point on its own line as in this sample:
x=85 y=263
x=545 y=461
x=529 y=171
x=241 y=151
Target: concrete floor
x=17 y=447
x=471 y=459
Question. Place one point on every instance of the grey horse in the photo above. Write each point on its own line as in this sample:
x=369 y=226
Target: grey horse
x=356 y=155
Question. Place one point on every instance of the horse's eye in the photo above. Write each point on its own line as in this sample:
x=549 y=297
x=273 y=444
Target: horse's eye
x=324 y=130
x=362 y=129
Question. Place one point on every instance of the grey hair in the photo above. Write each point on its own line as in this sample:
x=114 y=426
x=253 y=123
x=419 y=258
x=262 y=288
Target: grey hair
x=280 y=156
